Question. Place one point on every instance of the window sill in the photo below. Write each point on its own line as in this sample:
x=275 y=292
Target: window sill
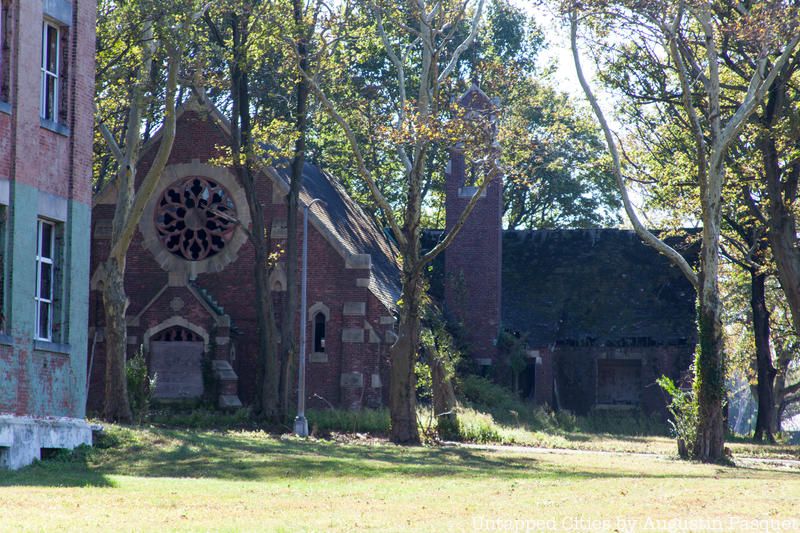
x=318 y=357
x=52 y=347
x=6 y=340
x=55 y=127
x=5 y=107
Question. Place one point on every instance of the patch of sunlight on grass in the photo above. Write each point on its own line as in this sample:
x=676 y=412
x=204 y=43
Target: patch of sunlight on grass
x=159 y=479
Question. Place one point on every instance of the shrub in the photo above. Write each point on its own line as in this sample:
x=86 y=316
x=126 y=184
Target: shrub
x=375 y=421
x=202 y=418
x=684 y=411
x=140 y=385
x=474 y=426
x=626 y=422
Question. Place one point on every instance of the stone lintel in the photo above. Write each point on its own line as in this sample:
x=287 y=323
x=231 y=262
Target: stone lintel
x=52 y=206
x=469 y=192
x=352 y=380
x=279 y=230
x=353 y=335
x=373 y=337
x=358 y=261
x=354 y=309
x=58 y=10
x=318 y=357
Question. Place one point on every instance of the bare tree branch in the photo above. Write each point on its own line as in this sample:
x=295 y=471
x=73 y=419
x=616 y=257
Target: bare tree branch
x=641 y=231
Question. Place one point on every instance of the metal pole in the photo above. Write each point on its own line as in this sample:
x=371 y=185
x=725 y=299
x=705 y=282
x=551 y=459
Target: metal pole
x=300 y=422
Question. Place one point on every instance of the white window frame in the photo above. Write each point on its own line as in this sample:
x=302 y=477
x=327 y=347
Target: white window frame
x=48 y=73
x=39 y=298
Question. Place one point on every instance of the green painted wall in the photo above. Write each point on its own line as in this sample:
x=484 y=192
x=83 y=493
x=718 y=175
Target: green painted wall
x=46 y=379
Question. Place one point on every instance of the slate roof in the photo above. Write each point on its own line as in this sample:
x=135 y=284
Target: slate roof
x=594 y=287
x=352 y=228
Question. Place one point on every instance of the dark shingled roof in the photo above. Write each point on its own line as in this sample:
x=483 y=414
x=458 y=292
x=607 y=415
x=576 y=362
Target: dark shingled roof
x=352 y=228
x=594 y=287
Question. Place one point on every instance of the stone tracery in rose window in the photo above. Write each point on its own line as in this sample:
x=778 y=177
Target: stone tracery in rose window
x=195 y=218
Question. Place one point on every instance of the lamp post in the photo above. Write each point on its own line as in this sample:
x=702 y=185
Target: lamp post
x=300 y=422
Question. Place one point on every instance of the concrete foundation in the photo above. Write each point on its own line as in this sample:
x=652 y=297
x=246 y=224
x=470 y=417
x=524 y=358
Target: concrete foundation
x=22 y=438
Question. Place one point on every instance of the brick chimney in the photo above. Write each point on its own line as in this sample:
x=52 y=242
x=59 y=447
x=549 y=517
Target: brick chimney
x=473 y=259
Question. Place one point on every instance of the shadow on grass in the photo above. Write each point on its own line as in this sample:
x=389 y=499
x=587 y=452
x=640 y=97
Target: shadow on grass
x=259 y=457
x=70 y=469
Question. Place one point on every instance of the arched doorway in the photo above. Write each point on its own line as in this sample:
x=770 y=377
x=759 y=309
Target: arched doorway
x=176 y=358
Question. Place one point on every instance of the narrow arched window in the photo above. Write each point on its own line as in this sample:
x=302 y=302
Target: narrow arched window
x=319 y=332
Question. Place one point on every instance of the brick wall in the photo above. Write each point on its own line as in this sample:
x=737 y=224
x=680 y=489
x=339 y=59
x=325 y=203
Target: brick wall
x=576 y=373
x=473 y=259
x=329 y=282
x=47 y=174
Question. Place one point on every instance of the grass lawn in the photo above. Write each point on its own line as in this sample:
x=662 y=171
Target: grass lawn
x=158 y=479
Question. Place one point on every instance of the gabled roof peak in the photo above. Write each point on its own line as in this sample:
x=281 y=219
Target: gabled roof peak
x=475 y=98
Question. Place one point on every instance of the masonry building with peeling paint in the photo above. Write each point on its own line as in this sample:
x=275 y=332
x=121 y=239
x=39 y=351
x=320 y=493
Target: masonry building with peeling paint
x=46 y=115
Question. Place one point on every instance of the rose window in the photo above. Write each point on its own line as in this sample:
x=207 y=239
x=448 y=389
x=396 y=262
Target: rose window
x=195 y=218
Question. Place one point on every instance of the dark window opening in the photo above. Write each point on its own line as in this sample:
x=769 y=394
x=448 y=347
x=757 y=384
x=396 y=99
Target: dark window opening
x=177 y=334
x=319 y=332
x=619 y=382
x=5 y=51
x=527 y=381
x=52 y=453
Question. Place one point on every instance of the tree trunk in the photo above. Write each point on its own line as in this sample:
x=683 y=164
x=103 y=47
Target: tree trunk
x=709 y=383
x=115 y=304
x=765 y=421
x=241 y=135
x=289 y=331
x=444 y=398
x=402 y=397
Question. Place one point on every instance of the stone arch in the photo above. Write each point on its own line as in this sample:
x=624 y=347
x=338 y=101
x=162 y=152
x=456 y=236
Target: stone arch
x=319 y=307
x=171 y=262
x=170 y=323
x=277 y=279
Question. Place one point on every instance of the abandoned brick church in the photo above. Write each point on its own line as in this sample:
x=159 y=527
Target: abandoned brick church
x=602 y=314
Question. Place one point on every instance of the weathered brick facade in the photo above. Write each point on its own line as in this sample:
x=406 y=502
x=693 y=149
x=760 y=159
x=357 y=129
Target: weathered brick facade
x=601 y=315
x=45 y=178
x=351 y=279
x=473 y=260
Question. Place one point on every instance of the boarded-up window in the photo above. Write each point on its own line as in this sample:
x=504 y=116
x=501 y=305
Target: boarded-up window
x=619 y=381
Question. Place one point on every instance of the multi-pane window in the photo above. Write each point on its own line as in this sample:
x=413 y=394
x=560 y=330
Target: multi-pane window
x=45 y=266
x=51 y=62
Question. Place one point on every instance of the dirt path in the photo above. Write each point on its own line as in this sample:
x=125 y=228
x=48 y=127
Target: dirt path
x=739 y=460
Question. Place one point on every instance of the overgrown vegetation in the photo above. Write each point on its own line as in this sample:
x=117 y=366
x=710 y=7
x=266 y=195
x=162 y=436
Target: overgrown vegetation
x=684 y=410
x=140 y=385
